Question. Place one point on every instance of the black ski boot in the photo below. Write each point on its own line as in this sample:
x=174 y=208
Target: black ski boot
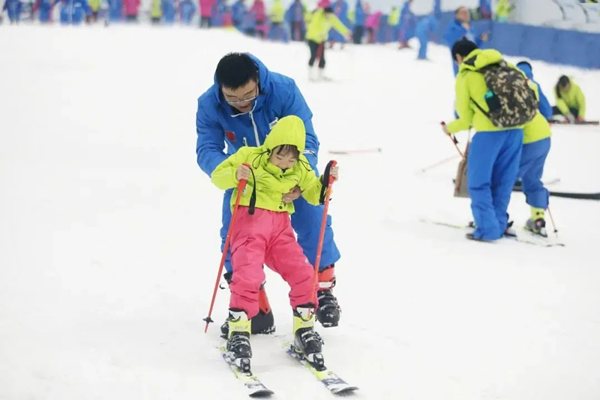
x=328 y=312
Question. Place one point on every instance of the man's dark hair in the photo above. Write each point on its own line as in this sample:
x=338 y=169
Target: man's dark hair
x=235 y=70
x=463 y=47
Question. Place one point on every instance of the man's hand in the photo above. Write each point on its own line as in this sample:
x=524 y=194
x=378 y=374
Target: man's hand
x=292 y=195
x=243 y=172
x=485 y=36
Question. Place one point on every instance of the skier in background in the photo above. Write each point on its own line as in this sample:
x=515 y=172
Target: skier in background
x=372 y=24
x=131 y=10
x=459 y=29
x=206 y=9
x=238 y=12
x=423 y=31
x=73 y=11
x=322 y=20
x=263 y=235
x=494 y=153
x=393 y=21
x=536 y=146
x=295 y=17
x=503 y=10
x=156 y=12
x=406 y=27
x=360 y=18
x=259 y=11
x=168 y=11
x=187 y=10
x=13 y=8
x=239 y=110
x=276 y=32
x=570 y=100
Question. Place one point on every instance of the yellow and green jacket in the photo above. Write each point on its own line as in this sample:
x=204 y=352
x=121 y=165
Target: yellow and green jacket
x=321 y=23
x=95 y=4
x=277 y=12
x=573 y=98
x=470 y=86
x=503 y=9
x=156 y=9
x=270 y=182
x=394 y=17
x=539 y=128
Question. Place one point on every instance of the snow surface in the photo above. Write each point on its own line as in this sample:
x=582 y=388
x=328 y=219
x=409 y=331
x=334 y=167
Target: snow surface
x=109 y=231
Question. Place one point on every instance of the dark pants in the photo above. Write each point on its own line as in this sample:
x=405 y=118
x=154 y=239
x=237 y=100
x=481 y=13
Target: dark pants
x=131 y=18
x=297 y=31
x=316 y=51
x=357 y=34
x=556 y=111
x=205 y=22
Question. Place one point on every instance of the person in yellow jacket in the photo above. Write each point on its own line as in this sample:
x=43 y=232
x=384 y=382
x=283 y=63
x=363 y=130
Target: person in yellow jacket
x=263 y=234
x=494 y=153
x=393 y=21
x=503 y=10
x=536 y=146
x=277 y=15
x=570 y=100
x=156 y=11
x=95 y=8
x=322 y=20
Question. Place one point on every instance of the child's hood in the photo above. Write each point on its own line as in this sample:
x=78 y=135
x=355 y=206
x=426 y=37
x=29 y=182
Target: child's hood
x=288 y=130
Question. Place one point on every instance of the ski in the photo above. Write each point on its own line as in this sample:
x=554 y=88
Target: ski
x=559 y=122
x=528 y=237
x=331 y=380
x=253 y=385
x=356 y=151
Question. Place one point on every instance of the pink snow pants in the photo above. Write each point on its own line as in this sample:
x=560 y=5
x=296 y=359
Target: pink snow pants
x=267 y=238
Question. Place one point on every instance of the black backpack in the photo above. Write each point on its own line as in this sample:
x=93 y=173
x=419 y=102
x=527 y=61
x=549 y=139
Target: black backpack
x=510 y=99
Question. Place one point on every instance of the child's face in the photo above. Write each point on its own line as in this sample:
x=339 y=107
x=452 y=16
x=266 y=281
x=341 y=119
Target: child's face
x=283 y=161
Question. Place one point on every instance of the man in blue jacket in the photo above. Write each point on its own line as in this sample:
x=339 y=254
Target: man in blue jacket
x=459 y=29
x=238 y=110
x=544 y=104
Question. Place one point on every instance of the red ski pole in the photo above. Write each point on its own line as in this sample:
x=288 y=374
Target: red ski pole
x=240 y=189
x=331 y=164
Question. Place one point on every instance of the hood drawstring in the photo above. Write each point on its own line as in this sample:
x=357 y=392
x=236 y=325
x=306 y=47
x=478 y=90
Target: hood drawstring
x=306 y=165
x=255 y=164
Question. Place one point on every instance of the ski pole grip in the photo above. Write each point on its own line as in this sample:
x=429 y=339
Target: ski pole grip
x=331 y=164
x=243 y=182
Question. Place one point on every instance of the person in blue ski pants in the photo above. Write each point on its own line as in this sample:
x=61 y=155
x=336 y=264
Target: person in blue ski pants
x=239 y=109
x=494 y=153
x=425 y=27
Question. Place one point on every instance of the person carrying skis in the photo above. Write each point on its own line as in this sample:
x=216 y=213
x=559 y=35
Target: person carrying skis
x=263 y=234
x=570 y=100
x=239 y=110
x=495 y=98
x=536 y=146
x=322 y=20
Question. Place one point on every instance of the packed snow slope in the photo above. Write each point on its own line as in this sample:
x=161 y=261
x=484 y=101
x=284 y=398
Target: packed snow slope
x=109 y=243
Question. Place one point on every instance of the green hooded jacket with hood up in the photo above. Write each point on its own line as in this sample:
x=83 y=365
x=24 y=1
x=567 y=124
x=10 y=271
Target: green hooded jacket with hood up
x=270 y=181
x=470 y=87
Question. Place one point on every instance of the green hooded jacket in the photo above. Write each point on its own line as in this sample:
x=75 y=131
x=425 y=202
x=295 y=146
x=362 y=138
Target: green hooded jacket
x=271 y=182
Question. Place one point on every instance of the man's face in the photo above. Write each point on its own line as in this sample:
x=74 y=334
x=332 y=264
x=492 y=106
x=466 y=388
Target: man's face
x=241 y=98
x=463 y=15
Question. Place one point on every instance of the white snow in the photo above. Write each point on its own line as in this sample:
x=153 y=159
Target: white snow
x=109 y=231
